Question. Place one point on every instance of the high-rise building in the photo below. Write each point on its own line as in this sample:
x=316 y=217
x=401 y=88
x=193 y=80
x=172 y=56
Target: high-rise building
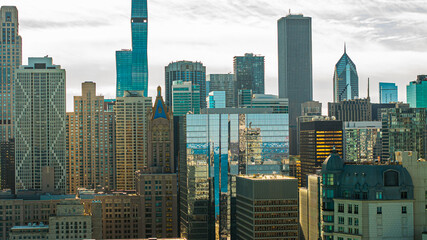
x=10 y=60
x=309 y=208
x=295 y=68
x=266 y=207
x=223 y=82
x=249 y=73
x=131 y=137
x=362 y=141
x=132 y=65
x=216 y=99
x=7 y=168
x=416 y=92
x=346 y=80
x=351 y=110
x=378 y=107
x=311 y=108
x=90 y=142
x=403 y=129
x=40 y=126
x=279 y=105
x=317 y=140
x=185 y=98
x=388 y=92
x=186 y=71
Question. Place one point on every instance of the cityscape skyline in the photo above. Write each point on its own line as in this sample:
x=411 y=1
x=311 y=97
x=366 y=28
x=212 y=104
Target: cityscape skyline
x=371 y=31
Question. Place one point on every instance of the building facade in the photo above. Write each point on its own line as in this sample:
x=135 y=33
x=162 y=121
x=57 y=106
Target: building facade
x=351 y=110
x=131 y=137
x=249 y=73
x=7 y=158
x=416 y=92
x=267 y=207
x=11 y=59
x=185 y=98
x=31 y=231
x=309 y=208
x=132 y=65
x=90 y=142
x=223 y=82
x=346 y=80
x=186 y=71
x=40 y=125
x=295 y=67
x=388 y=92
x=279 y=105
x=362 y=141
x=216 y=99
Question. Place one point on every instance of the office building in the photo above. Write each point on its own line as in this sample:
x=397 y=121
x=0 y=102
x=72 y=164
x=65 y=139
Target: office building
x=346 y=80
x=376 y=202
x=309 y=208
x=31 y=231
x=185 y=98
x=295 y=68
x=417 y=169
x=317 y=140
x=266 y=207
x=10 y=60
x=244 y=97
x=388 y=92
x=416 y=92
x=311 y=108
x=216 y=99
x=7 y=158
x=90 y=143
x=223 y=82
x=403 y=129
x=279 y=105
x=378 y=107
x=132 y=65
x=351 y=110
x=185 y=71
x=362 y=141
x=109 y=105
x=131 y=137
x=40 y=126
x=249 y=73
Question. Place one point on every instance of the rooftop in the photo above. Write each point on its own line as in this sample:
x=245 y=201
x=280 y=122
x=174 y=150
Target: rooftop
x=266 y=177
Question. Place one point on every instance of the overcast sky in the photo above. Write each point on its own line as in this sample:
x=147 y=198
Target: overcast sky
x=386 y=39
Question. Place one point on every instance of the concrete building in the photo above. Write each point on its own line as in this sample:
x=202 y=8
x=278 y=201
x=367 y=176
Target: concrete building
x=295 y=67
x=309 y=208
x=362 y=141
x=266 y=207
x=186 y=71
x=346 y=80
x=11 y=59
x=131 y=137
x=351 y=110
x=249 y=73
x=417 y=168
x=31 y=231
x=416 y=92
x=223 y=82
x=185 y=98
x=90 y=142
x=40 y=126
x=216 y=99
x=388 y=92
x=317 y=139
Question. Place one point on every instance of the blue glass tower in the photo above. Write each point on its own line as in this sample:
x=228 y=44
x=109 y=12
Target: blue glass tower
x=346 y=80
x=388 y=92
x=132 y=65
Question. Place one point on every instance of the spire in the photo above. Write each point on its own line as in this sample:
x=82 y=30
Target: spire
x=345 y=47
x=368 y=88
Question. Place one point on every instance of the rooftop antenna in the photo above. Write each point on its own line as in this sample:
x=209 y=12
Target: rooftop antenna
x=345 y=47
x=368 y=88
x=289 y=11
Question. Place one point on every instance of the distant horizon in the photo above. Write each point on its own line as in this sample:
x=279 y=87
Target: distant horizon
x=386 y=41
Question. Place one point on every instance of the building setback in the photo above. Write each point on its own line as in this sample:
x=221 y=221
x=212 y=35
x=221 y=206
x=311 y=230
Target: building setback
x=90 y=142
x=40 y=126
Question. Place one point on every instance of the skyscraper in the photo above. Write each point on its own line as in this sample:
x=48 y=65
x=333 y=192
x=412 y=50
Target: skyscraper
x=295 y=67
x=90 y=142
x=346 y=81
x=10 y=60
x=131 y=137
x=416 y=92
x=223 y=82
x=388 y=93
x=185 y=98
x=216 y=99
x=351 y=110
x=249 y=73
x=132 y=65
x=185 y=71
x=40 y=126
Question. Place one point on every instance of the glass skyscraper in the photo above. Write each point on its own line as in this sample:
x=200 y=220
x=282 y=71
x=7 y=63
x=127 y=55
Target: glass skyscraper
x=216 y=99
x=388 y=92
x=416 y=92
x=186 y=98
x=223 y=82
x=346 y=81
x=132 y=65
x=249 y=73
x=295 y=67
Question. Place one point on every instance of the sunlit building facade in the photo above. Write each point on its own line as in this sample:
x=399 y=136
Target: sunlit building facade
x=362 y=141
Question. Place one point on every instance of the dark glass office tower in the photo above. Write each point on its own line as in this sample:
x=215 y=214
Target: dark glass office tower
x=249 y=73
x=295 y=67
x=132 y=65
x=346 y=81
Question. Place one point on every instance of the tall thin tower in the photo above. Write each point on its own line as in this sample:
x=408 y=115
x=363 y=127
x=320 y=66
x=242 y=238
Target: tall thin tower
x=346 y=81
x=10 y=60
x=132 y=65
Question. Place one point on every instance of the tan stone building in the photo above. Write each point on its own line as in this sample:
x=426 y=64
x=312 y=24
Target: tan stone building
x=90 y=142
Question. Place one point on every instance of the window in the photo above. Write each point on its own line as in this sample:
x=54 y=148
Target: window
x=350 y=230
x=341 y=207
x=356 y=209
x=403 y=209
x=404 y=195
x=391 y=178
x=379 y=195
x=356 y=231
x=340 y=229
x=340 y=220
x=365 y=195
x=350 y=221
x=379 y=210
x=350 y=208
